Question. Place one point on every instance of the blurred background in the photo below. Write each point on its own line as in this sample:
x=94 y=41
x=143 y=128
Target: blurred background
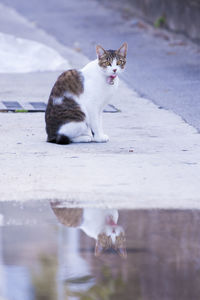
x=163 y=36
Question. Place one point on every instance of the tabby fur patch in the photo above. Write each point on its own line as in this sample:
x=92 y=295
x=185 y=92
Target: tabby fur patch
x=68 y=83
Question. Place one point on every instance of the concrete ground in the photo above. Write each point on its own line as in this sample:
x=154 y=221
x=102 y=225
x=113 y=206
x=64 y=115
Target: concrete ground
x=151 y=161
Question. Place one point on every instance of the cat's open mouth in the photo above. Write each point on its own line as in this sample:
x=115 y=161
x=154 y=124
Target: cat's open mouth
x=111 y=78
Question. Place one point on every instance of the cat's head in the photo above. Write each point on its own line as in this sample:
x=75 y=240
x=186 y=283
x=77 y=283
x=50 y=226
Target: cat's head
x=113 y=237
x=112 y=62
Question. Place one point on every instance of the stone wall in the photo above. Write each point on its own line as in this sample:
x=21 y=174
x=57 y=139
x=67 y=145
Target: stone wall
x=181 y=16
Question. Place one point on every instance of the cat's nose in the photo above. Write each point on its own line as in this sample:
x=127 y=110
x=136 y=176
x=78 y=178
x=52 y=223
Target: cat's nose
x=114 y=70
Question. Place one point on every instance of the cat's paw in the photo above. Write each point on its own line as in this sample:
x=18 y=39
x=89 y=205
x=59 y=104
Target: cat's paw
x=82 y=139
x=101 y=138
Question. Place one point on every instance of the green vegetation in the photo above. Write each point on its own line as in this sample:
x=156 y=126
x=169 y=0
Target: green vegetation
x=108 y=288
x=44 y=279
x=160 y=22
x=21 y=110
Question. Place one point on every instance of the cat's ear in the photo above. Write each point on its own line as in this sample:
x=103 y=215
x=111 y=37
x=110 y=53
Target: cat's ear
x=123 y=49
x=100 y=51
x=98 y=249
x=122 y=252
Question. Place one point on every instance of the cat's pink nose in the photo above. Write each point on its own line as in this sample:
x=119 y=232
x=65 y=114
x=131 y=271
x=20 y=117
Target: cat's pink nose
x=114 y=70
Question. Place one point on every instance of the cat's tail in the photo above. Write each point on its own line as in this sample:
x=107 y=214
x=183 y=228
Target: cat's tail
x=59 y=139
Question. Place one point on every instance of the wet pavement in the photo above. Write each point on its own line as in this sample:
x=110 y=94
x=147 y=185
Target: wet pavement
x=48 y=251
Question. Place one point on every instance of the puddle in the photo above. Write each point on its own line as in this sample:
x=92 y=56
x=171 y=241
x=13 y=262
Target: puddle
x=49 y=251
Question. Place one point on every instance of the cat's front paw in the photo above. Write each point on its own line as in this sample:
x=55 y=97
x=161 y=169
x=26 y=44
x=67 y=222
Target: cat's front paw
x=101 y=138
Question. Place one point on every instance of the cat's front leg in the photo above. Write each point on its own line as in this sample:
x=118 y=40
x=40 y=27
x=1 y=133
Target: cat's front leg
x=97 y=129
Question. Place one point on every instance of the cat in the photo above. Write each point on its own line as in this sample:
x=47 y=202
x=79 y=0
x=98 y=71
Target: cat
x=77 y=99
x=99 y=224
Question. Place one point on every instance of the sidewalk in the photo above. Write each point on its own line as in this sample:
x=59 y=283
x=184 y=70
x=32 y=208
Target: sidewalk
x=151 y=161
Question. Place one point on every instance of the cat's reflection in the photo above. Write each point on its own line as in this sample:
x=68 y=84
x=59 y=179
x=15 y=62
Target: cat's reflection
x=100 y=224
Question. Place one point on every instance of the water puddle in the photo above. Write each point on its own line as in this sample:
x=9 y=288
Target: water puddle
x=49 y=251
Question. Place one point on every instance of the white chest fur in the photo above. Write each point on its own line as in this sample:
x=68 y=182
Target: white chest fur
x=94 y=220
x=97 y=91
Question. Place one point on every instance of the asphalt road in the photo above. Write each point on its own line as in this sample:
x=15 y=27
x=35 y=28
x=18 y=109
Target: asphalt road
x=160 y=66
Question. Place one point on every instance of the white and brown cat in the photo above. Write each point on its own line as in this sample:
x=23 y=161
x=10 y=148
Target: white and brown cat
x=77 y=99
x=99 y=224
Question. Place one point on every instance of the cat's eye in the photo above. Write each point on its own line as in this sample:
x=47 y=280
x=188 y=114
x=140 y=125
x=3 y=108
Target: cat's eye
x=107 y=63
x=119 y=62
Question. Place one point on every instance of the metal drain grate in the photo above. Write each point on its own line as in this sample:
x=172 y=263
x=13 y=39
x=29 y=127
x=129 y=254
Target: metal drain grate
x=39 y=105
x=12 y=105
x=15 y=106
x=110 y=108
